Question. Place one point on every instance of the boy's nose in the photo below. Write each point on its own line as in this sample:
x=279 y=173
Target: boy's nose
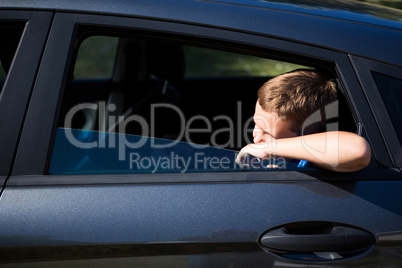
x=257 y=137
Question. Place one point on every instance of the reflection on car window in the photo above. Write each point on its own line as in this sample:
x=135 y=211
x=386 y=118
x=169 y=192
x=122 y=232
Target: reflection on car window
x=214 y=63
x=391 y=93
x=8 y=46
x=138 y=105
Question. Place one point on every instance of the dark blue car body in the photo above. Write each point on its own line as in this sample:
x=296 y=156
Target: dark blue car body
x=56 y=214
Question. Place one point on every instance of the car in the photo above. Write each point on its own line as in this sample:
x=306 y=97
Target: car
x=121 y=121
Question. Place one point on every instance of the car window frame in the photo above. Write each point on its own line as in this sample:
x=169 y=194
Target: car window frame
x=42 y=120
x=364 y=68
x=20 y=79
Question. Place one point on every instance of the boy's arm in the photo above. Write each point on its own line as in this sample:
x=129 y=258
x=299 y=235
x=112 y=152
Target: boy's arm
x=336 y=150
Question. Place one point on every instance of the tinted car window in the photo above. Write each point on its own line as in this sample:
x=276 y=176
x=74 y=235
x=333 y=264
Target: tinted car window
x=391 y=93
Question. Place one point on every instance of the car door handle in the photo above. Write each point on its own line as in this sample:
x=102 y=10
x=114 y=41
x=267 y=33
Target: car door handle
x=330 y=239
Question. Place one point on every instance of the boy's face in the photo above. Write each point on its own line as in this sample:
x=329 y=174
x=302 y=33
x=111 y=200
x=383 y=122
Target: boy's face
x=269 y=126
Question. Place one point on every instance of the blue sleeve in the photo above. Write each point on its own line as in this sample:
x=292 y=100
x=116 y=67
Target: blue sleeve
x=303 y=163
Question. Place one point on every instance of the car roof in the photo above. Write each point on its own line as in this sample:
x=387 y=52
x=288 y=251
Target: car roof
x=350 y=26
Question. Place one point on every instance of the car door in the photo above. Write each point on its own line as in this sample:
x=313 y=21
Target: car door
x=213 y=219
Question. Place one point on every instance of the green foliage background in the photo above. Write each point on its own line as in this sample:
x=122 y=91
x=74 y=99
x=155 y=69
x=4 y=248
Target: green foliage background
x=96 y=58
x=388 y=3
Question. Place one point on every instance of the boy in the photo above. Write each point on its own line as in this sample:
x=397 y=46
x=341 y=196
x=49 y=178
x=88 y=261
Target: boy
x=284 y=103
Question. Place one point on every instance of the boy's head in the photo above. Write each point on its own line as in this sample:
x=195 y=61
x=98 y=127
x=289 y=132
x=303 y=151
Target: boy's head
x=294 y=96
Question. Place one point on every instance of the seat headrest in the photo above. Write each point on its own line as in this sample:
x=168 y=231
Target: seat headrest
x=165 y=61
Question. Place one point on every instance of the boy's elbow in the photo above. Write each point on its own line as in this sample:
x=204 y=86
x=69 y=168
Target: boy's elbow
x=356 y=155
x=360 y=156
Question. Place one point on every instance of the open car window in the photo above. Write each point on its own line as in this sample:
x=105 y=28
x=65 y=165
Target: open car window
x=144 y=105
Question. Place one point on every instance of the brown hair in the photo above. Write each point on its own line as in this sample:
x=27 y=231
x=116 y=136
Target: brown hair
x=296 y=95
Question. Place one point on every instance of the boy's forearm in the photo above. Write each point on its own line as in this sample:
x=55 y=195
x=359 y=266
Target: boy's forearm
x=336 y=150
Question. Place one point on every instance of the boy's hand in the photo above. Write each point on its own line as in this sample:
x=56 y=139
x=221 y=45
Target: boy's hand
x=257 y=150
